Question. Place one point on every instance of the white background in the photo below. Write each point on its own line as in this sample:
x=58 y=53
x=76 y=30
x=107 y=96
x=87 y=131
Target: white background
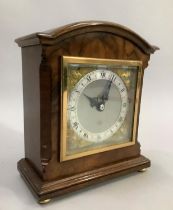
x=153 y=21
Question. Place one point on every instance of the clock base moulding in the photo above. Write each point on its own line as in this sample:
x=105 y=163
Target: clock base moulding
x=46 y=190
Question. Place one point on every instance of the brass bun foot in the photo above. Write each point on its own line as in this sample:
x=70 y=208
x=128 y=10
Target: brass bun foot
x=44 y=201
x=143 y=170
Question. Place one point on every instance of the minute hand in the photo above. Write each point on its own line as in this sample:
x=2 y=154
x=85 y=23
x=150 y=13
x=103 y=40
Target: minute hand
x=104 y=96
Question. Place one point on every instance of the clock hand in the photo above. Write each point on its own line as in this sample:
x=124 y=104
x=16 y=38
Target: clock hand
x=99 y=101
x=104 y=96
x=93 y=101
x=96 y=101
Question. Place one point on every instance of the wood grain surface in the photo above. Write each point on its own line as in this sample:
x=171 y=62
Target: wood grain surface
x=41 y=58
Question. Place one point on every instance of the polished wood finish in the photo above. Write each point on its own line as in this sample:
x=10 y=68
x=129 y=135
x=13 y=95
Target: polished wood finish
x=41 y=57
x=31 y=58
x=53 y=36
x=47 y=190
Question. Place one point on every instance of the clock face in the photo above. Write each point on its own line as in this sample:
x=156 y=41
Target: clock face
x=99 y=110
x=98 y=105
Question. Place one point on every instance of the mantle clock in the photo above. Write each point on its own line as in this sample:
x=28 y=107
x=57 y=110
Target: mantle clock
x=82 y=88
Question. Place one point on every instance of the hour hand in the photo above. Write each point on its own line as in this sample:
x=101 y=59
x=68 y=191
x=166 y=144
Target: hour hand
x=93 y=100
x=96 y=102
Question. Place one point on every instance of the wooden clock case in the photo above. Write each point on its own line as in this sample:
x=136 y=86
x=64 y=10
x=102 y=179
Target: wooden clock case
x=41 y=63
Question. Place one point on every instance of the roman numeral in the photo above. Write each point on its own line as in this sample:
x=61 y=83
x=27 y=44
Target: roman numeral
x=103 y=74
x=124 y=104
x=85 y=135
x=75 y=125
x=76 y=91
x=120 y=119
x=89 y=78
x=72 y=108
x=113 y=78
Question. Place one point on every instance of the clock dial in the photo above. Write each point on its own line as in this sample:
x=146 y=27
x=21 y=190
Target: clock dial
x=98 y=105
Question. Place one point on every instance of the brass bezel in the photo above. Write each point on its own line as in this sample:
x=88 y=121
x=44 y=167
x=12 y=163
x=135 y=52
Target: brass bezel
x=80 y=60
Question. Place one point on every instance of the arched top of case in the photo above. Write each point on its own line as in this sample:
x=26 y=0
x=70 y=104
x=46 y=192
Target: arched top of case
x=52 y=37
